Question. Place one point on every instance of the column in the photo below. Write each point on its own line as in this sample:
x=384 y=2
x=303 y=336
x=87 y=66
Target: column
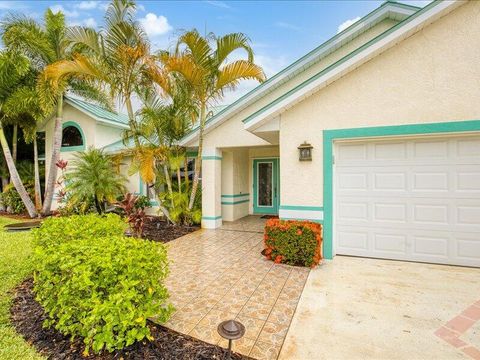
x=211 y=188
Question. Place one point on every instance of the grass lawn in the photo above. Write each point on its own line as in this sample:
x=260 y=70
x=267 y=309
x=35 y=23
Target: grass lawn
x=15 y=265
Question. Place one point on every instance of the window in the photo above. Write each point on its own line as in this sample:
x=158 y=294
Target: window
x=72 y=136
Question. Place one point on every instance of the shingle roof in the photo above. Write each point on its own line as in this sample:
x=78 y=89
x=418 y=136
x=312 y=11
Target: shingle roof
x=99 y=113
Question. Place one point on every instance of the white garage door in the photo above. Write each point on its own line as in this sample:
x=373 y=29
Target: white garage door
x=409 y=199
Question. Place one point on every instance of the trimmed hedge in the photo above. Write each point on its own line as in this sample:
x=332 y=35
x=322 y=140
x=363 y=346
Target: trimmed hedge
x=98 y=285
x=293 y=242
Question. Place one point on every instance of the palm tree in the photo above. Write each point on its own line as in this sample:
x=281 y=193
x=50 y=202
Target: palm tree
x=46 y=44
x=201 y=64
x=118 y=55
x=93 y=177
x=19 y=105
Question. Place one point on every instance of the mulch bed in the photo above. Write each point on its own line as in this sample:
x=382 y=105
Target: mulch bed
x=157 y=229
x=27 y=316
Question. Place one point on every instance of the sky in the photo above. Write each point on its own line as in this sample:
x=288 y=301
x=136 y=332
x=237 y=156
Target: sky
x=280 y=31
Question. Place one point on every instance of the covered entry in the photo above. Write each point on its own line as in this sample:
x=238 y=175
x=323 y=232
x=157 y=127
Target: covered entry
x=408 y=198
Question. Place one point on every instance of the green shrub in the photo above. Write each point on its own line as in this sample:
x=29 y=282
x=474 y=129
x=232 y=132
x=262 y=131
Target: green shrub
x=142 y=202
x=57 y=230
x=12 y=200
x=293 y=242
x=101 y=288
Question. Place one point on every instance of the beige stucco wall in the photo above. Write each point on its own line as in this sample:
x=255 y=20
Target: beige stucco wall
x=231 y=133
x=105 y=135
x=433 y=76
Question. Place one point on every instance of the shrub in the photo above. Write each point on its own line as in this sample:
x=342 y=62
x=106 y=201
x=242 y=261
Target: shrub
x=98 y=285
x=135 y=214
x=12 y=200
x=293 y=242
x=142 y=202
x=57 y=230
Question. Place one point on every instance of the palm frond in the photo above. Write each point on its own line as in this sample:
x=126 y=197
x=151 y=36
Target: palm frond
x=229 y=43
x=231 y=74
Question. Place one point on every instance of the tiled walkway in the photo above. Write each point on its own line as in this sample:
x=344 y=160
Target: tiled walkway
x=218 y=275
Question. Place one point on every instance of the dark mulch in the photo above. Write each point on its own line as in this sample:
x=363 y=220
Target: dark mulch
x=27 y=316
x=157 y=229
x=269 y=217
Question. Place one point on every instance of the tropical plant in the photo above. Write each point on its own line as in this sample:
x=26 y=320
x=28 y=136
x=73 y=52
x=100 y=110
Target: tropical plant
x=134 y=213
x=93 y=177
x=46 y=43
x=200 y=63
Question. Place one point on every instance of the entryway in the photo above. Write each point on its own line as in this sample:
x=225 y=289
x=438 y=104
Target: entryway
x=266 y=191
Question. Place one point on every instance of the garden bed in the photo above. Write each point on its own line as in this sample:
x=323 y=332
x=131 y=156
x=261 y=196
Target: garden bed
x=157 y=229
x=27 y=317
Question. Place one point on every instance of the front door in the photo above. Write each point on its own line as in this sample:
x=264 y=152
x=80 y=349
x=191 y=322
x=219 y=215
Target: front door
x=265 y=186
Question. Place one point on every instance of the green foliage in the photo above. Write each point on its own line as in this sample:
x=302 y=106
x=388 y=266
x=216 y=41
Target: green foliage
x=57 y=230
x=98 y=285
x=15 y=266
x=12 y=200
x=93 y=178
x=142 y=202
x=177 y=204
x=293 y=242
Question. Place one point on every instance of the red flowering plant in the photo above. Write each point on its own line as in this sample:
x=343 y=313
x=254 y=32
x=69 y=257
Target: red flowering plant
x=293 y=242
x=62 y=192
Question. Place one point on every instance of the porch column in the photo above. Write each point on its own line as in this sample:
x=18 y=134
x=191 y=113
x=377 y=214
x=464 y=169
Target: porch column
x=211 y=188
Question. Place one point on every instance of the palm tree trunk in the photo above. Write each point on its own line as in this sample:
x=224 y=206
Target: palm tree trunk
x=52 y=171
x=198 y=161
x=38 y=188
x=131 y=119
x=165 y=211
x=169 y=183
x=185 y=173
x=15 y=143
x=179 y=180
x=15 y=178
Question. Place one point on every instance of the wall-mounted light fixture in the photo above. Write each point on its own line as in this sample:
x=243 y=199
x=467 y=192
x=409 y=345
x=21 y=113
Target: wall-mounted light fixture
x=305 y=152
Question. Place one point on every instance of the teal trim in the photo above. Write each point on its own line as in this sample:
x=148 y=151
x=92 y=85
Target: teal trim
x=276 y=185
x=73 y=148
x=153 y=203
x=211 y=217
x=292 y=65
x=192 y=153
x=235 y=202
x=300 y=219
x=342 y=60
x=98 y=112
x=235 y=195
x=301 y=207
x=141 y=186
x=330 y=135
x=211 y=158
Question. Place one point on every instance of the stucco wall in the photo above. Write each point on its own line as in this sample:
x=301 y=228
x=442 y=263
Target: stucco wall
x=105 y=135
x=231 y=133
x=433 y=76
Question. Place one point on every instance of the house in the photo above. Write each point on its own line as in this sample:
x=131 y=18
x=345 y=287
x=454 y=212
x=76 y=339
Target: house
x=391 y=108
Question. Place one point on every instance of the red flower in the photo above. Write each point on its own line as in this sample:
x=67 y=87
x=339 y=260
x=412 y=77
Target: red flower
x=61 y=164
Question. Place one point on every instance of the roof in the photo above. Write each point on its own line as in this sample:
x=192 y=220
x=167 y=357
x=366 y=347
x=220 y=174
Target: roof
x=118 y=145
x=99 y=113
x=388 y=9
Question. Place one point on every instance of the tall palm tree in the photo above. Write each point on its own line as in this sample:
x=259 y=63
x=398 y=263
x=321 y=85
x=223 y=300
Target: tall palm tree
x=201 y=63
x=19 y=105
x=117 y=55
x=46 y=43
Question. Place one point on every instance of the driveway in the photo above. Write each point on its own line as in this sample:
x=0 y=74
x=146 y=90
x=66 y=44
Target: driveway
x=358 y=308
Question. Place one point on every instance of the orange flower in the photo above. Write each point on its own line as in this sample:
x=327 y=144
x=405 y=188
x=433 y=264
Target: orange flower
x=299 y=232
x=278 y=259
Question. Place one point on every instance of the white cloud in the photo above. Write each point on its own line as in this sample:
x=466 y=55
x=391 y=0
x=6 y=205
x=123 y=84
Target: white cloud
x=155 y=25
x=140 y=7
x=286 y=25
x=89 y=22
x=87 y=5
x=219 y=4
x=347 y=23
x=68 y=13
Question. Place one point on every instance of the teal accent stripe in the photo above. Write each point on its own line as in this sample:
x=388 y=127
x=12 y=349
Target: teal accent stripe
x=299 y=219
x=301 y=207
x=235 y=202
x=192 y=153
x=330 y=135
x=211 y=217
x=342 y=60
x=234 y=195
x=211 y=158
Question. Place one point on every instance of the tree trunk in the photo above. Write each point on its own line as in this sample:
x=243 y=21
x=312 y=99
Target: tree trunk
x=52 y=171
x=165 y=211
x=15 y=143
x=15 y=178
x=169 y=183
x=131 y=119
x=198 y=161
x=179 y=180
x=185 y=171
x=38 y=188
x=98 y=205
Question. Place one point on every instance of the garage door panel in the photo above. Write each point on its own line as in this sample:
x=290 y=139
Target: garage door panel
x=416 y=199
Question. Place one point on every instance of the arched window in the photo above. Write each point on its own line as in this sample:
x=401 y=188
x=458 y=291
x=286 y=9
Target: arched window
x=72 y=137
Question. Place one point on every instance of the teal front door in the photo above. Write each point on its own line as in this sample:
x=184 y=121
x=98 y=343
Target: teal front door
x=266 y=189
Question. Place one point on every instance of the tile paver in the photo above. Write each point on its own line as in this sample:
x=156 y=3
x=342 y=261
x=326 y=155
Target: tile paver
x=217 y=275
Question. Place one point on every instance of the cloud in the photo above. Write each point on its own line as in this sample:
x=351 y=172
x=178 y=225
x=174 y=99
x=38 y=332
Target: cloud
x=87 y=5
x=68 y=13
x=347 y=23
x=219 y=4
x=155 y=25
x=286 y=25
x=89 y=22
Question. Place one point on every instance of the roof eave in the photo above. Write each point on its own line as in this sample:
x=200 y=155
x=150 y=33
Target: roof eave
x=97 y=118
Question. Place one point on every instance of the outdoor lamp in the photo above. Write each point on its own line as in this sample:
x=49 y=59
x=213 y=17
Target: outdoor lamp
x=305 y=152
x=231 y=330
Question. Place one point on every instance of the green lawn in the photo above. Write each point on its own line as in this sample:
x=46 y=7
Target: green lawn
x=15 y=265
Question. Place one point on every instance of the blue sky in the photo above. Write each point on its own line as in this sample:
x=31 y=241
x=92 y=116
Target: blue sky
x=280 y=31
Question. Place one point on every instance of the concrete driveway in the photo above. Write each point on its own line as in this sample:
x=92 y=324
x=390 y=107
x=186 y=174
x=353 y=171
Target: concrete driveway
x=358 y=308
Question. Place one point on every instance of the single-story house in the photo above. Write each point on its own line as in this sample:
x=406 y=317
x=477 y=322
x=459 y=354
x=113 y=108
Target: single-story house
x=375 y=134
x=391 y=109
